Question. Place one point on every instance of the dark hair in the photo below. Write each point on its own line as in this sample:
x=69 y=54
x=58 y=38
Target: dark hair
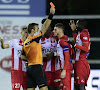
x=83 y=23
x=60 y=25
x=31 y=26
x=23 y=28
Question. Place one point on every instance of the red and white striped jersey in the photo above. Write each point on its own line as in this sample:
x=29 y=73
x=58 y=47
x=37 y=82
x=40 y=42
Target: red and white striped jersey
x=17 y=63
x=62 y=48
x=49 y=45
x=80 y=39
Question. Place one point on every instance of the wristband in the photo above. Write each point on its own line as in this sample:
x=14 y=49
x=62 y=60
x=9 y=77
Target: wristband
x=50 y=16
x=55 y=53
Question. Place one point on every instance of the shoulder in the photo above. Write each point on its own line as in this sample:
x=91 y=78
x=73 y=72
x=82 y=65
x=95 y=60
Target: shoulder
x=65 y=37
x=63 y=43
x=85 y=32
x=84 y=35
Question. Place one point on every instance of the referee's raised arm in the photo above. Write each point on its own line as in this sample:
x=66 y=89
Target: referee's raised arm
x=48 y=21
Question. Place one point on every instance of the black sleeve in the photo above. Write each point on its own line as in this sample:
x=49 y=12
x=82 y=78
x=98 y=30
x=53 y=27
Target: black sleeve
x=23 y=52
x=35 y=39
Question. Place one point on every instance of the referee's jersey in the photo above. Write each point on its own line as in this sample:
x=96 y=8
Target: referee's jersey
x=32 y=49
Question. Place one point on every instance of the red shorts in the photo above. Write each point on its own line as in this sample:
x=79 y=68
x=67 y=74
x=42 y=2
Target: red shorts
x=81 y=72
x=18 y=79
x=51 y=76
x=66 y=82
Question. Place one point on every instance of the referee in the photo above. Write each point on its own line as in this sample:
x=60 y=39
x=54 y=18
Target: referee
x=32 y=52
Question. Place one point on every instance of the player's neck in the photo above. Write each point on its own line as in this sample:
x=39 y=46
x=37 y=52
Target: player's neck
x=31 y=34
x=60 y=35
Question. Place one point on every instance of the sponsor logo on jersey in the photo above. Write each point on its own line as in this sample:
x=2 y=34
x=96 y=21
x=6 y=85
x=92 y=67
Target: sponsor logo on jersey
x=47 y=50
x=85 y=38
x=77 y=77
x=82 y=80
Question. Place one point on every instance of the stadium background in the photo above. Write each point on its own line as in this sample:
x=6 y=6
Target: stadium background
x=14 y=14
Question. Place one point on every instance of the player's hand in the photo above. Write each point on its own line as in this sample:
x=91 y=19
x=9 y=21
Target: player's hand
x=44 y=56
x=71 y=42
x=72 y=25
x=52 y=10
x=2 y=42
x=49 y=56
x=63 y=74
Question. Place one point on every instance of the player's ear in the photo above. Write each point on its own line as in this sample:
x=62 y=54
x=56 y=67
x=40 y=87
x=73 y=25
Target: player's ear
x=21 y=33
x=33 y=31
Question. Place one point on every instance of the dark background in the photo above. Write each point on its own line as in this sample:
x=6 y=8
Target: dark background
x=80 y=7
x=75 y=7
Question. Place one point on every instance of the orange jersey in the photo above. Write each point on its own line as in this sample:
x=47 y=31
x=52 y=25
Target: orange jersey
x=32 y=49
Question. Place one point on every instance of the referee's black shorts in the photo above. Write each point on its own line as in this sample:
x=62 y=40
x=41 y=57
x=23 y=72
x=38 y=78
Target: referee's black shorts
x=36 y=76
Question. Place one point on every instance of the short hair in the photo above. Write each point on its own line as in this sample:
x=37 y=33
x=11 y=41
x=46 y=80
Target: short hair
x=31 y=26
x=83 y=23
x=23 y=28
x=60 y=25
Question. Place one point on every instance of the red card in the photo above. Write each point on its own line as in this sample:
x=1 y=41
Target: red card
x=52 y=5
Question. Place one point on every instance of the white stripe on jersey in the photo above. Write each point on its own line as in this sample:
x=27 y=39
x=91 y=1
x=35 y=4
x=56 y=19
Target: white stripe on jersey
x=79 y=42
x=17 y=63
x=48 y=66
x=60 y=54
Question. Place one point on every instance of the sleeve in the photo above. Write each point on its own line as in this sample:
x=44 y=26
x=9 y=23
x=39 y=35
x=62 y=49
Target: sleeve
x=11 y=43
x=85 y=37
x=23 y=52
x=86 y=42
x=65 y=47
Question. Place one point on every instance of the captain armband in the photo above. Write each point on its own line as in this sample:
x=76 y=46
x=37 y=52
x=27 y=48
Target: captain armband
x=65 y=48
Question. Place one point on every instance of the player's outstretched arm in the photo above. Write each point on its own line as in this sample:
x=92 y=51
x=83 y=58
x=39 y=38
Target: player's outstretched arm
x=48 y=21
x=85 y=46
x=73 y=28
x=3 y=46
